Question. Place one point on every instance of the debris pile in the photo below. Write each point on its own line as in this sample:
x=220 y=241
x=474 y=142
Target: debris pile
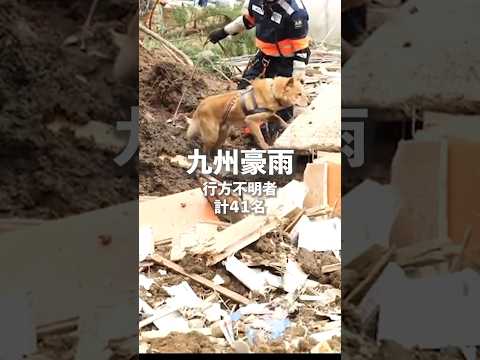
x=411 y=274
x=261 y=284
x=323 y=67
x=247 y=283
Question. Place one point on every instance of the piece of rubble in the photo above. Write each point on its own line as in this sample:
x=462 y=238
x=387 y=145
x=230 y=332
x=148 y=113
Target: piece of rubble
x=182 y=295
x=253 y=280
x=194 y=237
x=241 y=347
x=146 y=245
x=218 y=280
x=200 y=279
x=322 y=235
x=368 y=228
x=294 y=278
x=325 y=335
x=321 y=347
x=171 y=215
x=214 y=312
x=216 y=329
x=250 y=229
x=318 y=128
x=145 y=282
x=452 y=297
x=323 y=179
x=158 y=314
x=325 y=298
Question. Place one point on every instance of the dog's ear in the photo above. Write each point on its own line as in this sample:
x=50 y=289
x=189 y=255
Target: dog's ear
x=290 y=83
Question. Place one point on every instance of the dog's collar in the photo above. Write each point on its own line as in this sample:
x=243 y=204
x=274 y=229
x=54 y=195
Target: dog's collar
x=250 y=93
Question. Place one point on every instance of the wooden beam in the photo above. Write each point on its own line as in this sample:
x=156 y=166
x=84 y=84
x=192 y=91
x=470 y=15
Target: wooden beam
x=172 y=49
x=372 y=276
x=201 y=280
x=331 y=268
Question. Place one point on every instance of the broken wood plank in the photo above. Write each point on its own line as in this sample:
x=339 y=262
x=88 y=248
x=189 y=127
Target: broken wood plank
x=459 y=261
x=419 y=215
x=231 y=217
x=171 y=215
x=295 y=220
x=372 y=276
x=58 y=327
x=240 y=237
x=176 y=53
x=412 y=253
x=201 y=280
x=159 y=313
x=218 y=223
x=331 y=268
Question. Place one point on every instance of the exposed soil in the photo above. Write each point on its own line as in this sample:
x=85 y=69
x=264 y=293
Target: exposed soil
x=47 y=175
x=312 y=261
x=161 y=86
x=186 y=343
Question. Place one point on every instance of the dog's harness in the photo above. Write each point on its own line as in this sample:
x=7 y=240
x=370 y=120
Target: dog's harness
x=229 y=108
x=255 y=109
x=244 y=97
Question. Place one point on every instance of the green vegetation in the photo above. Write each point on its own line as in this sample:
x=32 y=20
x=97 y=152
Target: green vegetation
x=187 y=28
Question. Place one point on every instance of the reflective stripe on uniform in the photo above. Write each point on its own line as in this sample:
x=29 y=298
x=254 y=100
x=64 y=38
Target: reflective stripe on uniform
x=300 y=4
x=287 y=47
x=286 y=6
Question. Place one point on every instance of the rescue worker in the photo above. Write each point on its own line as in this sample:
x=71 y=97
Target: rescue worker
x=281 y=28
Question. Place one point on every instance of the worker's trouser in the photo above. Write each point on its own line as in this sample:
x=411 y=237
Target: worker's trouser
x=269 y=67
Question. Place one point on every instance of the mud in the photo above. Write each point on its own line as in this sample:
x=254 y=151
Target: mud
x=312 y=262
x=46 y=175
x=185 y=343
x=272 y=347
x=161 y=86
x=58 y=347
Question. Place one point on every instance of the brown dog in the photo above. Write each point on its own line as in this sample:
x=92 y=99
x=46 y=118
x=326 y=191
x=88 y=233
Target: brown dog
x=252 y=107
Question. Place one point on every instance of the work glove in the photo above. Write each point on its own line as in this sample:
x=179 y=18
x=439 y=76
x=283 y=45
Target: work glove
x=217 y=35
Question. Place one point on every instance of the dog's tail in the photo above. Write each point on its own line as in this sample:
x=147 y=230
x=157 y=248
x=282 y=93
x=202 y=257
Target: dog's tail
x=193 y=127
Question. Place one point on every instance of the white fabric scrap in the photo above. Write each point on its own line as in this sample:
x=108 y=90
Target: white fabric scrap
x=294 y=277
x=183 y=296
x=323 y=235
x=218 y=280
x=146 y=244
x=252 y=279
x=145 y=282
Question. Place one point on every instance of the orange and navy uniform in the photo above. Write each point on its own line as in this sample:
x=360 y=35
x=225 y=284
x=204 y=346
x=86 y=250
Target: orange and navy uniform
x=281 y=28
